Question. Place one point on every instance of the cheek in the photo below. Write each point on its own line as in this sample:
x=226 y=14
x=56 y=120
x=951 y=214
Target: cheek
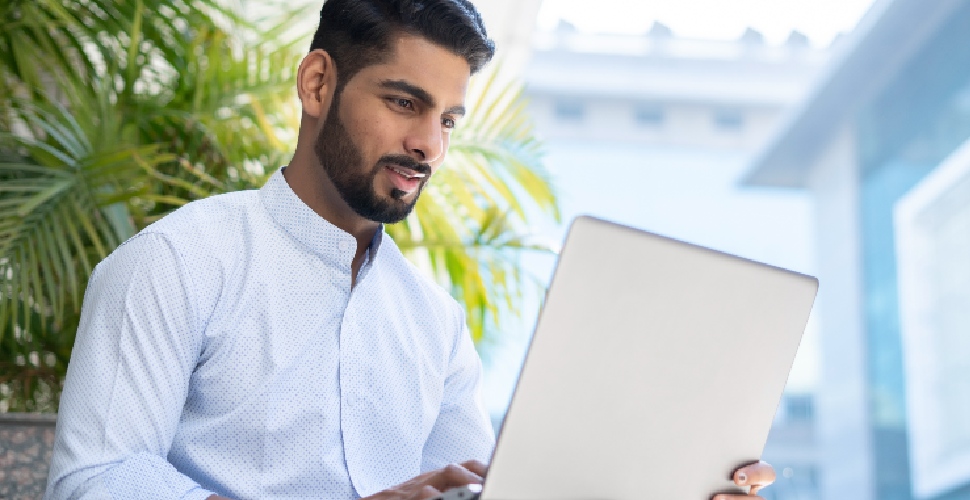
x=366 y=128
x=374 y=137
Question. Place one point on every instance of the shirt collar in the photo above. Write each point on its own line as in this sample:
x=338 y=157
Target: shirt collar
x=306 y=226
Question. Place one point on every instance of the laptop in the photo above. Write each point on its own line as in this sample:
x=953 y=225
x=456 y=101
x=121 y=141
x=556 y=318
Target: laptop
x=654 y=371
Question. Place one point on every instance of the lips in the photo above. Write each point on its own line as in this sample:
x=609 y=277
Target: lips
x=406 y=180
x=407 y=173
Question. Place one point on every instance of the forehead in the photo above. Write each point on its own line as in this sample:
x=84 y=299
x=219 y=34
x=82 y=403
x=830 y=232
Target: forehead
x=424 y=64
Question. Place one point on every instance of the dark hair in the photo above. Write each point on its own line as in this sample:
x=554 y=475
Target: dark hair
x=359 y=33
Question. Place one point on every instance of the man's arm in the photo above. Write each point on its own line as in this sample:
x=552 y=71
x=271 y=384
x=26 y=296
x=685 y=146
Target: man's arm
x=127 y=381
x=463 y=430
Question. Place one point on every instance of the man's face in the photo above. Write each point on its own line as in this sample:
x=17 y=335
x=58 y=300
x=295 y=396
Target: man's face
x=388 y=129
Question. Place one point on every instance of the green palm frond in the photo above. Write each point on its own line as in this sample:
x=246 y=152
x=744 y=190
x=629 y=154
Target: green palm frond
x=62 y=209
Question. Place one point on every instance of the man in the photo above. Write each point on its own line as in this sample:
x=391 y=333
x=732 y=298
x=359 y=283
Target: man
x=275 y=343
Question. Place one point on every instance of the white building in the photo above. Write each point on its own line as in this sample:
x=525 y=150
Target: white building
x=655 y=131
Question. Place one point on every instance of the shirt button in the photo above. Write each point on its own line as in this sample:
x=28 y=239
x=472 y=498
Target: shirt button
x=343 y=246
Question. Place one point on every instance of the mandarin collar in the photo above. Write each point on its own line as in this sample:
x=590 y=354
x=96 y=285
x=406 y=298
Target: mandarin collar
x=306 y=226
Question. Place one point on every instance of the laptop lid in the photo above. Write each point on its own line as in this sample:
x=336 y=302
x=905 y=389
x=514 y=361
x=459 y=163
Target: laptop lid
x=655 y=370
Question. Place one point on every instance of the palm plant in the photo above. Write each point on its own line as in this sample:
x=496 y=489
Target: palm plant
x=112 y=114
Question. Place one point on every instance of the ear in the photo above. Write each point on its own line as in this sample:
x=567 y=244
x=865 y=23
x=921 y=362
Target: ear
x=315 y=82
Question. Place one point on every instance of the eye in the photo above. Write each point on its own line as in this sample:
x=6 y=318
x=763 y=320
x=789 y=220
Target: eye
x=448 y=123
x=402 y=102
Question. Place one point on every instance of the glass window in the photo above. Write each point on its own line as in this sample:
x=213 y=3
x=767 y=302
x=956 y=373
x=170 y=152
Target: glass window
x=800 y=407
x=649 y=116
x=729 y=119
x=569 y=111
x=906 y=131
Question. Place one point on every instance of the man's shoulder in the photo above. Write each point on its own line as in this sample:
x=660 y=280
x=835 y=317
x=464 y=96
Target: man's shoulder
x=215 y=213
x=204 y=229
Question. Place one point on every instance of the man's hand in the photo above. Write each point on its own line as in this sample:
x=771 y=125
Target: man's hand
x=433 y=483
x=757 y=476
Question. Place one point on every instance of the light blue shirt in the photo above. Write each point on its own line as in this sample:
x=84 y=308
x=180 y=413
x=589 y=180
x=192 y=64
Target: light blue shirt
x=223 y=350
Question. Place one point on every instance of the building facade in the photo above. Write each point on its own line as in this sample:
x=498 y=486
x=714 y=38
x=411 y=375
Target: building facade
x=655 y=131
x=883 y=146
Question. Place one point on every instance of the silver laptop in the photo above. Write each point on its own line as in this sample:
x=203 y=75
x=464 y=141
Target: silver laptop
x=654 y=371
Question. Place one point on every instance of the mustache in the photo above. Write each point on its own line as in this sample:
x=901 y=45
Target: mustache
x=406 y=162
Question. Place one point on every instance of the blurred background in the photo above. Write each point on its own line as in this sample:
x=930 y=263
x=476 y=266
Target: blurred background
x=831 y=137
x=826 y=137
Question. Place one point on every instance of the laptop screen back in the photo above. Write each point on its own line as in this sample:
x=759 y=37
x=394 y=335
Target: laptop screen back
x=655 y=370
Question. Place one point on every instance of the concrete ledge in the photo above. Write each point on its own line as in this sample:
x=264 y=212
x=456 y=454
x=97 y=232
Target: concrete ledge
x=41 y=419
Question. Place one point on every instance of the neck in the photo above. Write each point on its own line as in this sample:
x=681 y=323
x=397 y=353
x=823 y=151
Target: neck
x=314 y=188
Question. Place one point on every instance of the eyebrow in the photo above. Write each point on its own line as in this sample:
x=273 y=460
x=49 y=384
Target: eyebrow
x=420 y=94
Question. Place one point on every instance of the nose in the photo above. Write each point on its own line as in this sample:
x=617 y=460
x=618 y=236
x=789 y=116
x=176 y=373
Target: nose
x=426 y=140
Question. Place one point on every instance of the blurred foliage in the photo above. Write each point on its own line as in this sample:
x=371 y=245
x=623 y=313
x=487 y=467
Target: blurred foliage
x=113 y=114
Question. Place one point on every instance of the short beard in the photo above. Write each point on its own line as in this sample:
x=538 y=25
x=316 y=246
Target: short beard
x=342 y=162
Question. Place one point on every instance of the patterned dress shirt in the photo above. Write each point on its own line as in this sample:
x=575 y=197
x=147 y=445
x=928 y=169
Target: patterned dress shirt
x=222 y=350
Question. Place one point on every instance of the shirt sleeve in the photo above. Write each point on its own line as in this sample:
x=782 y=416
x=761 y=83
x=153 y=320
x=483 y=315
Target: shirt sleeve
x=136 y=347
x=463 y=430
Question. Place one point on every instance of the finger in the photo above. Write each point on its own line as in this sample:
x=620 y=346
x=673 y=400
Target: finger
x=426 y=492
x=476 y=467
x=728 y=496
x=758 y=474
x=452 y=476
